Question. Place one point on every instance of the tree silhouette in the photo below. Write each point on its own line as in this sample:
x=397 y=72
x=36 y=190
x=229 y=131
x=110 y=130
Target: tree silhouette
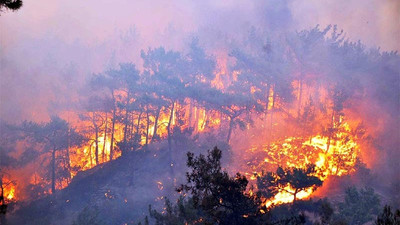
x=387 y=217
x=55 y=136
x=216 y=198
x=10 y=5
x=298 y=179
x=127 y=77
x=359 y=206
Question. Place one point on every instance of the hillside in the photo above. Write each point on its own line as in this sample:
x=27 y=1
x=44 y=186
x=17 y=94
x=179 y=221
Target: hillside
x=118 y=191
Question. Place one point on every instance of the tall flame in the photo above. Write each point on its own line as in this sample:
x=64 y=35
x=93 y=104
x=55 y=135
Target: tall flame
x=332 y=157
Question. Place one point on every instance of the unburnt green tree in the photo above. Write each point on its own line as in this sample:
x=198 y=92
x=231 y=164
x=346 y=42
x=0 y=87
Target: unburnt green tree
x=359 y=206
x=221 y=197
x=387 y=217
x=213 y=197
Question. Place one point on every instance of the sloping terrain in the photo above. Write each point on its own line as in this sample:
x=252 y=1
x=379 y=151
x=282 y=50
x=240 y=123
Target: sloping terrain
x=116 y=192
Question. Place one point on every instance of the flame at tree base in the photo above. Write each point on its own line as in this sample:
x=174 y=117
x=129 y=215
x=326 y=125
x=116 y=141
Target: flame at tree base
x=11 y=193
x=8 y=188
x=286 y=196
x=333 y=155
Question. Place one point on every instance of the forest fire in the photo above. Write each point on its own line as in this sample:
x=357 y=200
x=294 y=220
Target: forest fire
x=236 y=115
x=334 y=157
x=286 y=196
x=9 y=191
x=104 y=135
x=10 y=194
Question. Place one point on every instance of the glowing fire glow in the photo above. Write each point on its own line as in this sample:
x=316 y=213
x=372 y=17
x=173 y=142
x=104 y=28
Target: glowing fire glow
x=286 y=196
x=332 y=156
x=9 y=189
x=11 y=193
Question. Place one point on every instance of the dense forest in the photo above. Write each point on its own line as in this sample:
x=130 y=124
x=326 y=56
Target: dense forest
x=289 y=112
x=238 y=118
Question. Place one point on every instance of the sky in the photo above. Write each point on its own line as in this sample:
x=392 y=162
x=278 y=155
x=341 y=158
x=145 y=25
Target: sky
x=48 y=46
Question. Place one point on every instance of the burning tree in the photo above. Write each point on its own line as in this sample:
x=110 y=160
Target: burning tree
x=109 y=84
x=294 y=105
x=96 y=116
x=291 y=181
x=7 y=186
x=165 y=68
x=56 y=137
x=127 y=77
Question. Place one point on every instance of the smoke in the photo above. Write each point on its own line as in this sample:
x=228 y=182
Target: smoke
x=47 y=44
x=50 y=48
x=376 y=23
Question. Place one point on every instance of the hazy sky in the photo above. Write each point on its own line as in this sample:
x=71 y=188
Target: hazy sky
x=376 y=22
x=47 y=41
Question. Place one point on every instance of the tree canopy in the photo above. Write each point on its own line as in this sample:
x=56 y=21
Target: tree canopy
x=10 y=5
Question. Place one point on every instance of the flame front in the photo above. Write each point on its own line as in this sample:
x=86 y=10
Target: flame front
x=8 y=187
x=332 y=156
x=312 y=128
x=11 y=193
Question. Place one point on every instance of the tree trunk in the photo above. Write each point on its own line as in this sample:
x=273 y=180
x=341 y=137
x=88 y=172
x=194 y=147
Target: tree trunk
x=138 y=123
x=170 y=142
x=96 y=130
x=330 y=133
x=53 y=171
x=2 y=190
x=133 y=127
x=129 y=130
x=68 y=157
x=147 y=127
x=112 y=134
x=105 y=139
x=203 y=125
x=125 y=147
x=169 y=126
x=156 y=123
x=2 y=203
x=295 y=196
x=90 y=154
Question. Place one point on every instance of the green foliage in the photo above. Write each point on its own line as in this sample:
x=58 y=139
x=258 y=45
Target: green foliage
x=359 y=206
x=387 y=217
x=217 y=198
x=220 y=197
x=181 y=213
x=325 y=211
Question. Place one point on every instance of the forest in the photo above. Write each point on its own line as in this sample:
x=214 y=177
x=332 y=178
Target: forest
x=294 y=127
